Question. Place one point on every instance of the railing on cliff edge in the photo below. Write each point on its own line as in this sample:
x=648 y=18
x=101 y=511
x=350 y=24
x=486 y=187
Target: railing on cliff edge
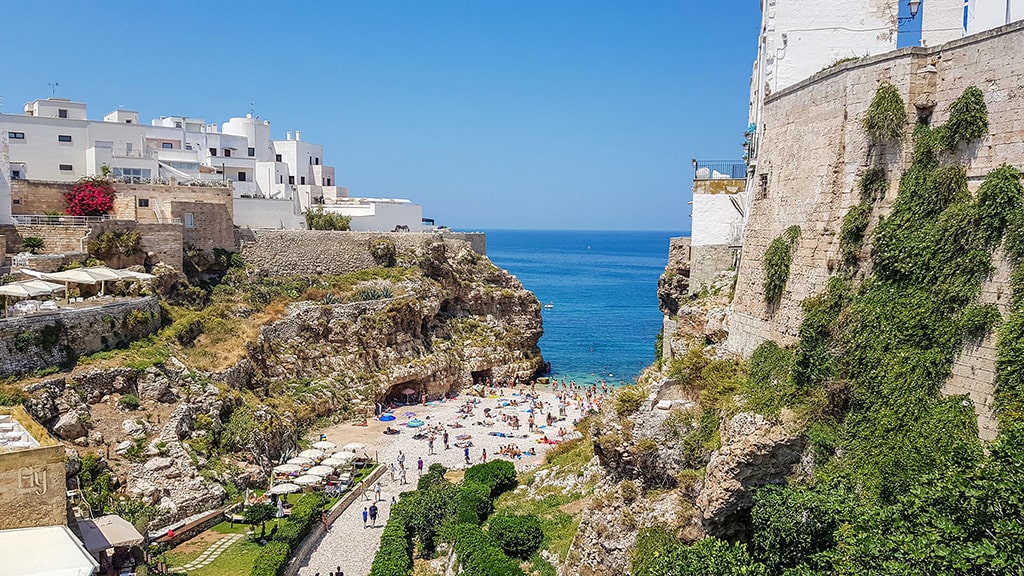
x=717 y=169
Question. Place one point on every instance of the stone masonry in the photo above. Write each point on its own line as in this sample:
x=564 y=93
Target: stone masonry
x=814 y=150
x=284 y=252
x=32 y=486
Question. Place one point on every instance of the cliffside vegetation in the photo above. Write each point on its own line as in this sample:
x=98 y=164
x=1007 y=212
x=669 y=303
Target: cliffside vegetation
x=901 y=483
x=777 y=260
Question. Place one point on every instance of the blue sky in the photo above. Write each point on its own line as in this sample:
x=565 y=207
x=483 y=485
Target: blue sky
x=514 y=114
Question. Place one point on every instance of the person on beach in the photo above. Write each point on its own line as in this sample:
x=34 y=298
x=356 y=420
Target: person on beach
x=445 y=438
x=373 y=515
x=419 y=465
x=391 y=469
x=401 y=460
x=430 y=444
x=483 y=456
x=466 y=453
x=403 y=476
x=366 y=514
x=377 y=490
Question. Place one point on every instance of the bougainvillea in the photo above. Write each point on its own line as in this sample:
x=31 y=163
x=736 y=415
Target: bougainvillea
x=90 y=197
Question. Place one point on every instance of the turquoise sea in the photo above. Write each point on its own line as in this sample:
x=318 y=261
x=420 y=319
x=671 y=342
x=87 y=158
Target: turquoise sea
x=603 y=288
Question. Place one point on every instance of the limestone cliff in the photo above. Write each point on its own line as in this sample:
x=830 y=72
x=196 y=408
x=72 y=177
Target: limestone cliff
x=175 y=436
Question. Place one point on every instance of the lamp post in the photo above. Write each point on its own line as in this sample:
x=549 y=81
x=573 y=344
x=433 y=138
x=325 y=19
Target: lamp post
x=915 y=7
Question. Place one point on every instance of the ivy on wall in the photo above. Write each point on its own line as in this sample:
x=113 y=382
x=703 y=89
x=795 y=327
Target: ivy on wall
x=777 y=260
x=887 y=115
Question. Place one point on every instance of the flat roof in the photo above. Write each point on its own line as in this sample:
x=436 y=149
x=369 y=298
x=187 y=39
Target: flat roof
x=44 y=551
x=18 y=431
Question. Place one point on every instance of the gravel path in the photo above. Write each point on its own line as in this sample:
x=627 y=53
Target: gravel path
x=348 y=544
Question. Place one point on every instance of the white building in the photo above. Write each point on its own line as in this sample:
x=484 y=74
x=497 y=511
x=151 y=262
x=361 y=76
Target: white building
x=274 y=181
x=985 y=15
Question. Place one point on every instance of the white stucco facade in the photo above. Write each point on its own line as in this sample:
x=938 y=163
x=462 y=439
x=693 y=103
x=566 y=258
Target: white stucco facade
x=376 y=214
x=988 y=14
x=55 y=141
x=5 y=181
x=716 y=219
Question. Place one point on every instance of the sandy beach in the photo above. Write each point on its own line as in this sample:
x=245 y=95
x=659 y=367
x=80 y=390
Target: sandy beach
x=352 y=546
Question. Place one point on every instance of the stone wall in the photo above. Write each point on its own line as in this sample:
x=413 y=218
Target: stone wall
x=212 y=224
x=32 y=486
x=38 y=341
x=160 y=242
x=814 y=150
x=283 y=252
x=708 y=262
x=38 y=197
x=58 y=238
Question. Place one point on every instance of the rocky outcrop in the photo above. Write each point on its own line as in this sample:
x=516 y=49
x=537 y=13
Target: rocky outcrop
x=755 y=452
x=674 y=284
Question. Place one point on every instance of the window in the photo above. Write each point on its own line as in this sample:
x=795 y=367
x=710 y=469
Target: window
x=227 y=152
x=143 y=202
x=128 y=121
x=16 y=201
x=241 y=176
x=310 y=160
x=277 y=157
x=190 y=220
x=177 y=124
x=62 y=113
x=762 y=186
x=291 y=180
x=317 y=161
x=167 y=145
x=128 y=146
x=252 y=151
x=302 y=180
x=213 y=151
x=65 y=167
x=16 y=135
x=132 y=174
x=63 y=138
x=15 y=174
x=328 y=181
x=280 y=179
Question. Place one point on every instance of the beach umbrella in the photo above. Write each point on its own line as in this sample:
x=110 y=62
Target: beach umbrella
x=324 y=445
x=334 y=462
x=387 y=418
x=284 y=488
x=312 y=453
x=287 y=468
x=346 y=455
x=354 y=447
x=320 y=471
x=301 y=461
x=308 y=480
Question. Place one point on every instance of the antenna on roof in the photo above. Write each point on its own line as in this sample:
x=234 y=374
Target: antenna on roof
x=53 y=88
x=252 y=109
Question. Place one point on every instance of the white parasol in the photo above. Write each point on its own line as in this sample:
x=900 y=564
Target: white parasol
x=320 y=471
x=287 y=468
x=335 y=462
x=306 y=462
x=344 y=455
x=354 y=447
x=312 y=454
x=285 y=488
x=325 y=445
x=308 y=480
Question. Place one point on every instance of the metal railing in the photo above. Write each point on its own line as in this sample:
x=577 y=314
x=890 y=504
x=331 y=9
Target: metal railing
x=716 y=169
x=57 y=219
x=171 y=181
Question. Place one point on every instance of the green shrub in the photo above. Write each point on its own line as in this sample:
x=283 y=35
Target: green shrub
x=474 y=503
x=478 y=553
x=887 y=114
x=272 y=559
x=376 y=293
x=498 y=475
x=776 y=261
x=851 y=236
x=518 y=536
x=33 y=244
x=383 y=251
x=659 y=553
x=318 y=219
x=791 y=524
x=394 y=557
x=128 y=402
x=874 y=184
x=305 y=512
x=968 y=119
x=628 y=400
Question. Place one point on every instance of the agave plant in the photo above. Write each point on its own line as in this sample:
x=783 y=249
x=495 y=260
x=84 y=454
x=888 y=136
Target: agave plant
x=329 y=298
x=375 y=293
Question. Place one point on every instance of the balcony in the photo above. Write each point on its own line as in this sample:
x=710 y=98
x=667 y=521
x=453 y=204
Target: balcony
x=719 y=170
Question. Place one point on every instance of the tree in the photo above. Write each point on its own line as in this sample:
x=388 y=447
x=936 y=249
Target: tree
x=260 y=513
x=93 y=196
x=317 y=219
x=33 y=244
x=519 y=536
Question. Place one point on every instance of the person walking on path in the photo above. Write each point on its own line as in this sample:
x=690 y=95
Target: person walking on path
x=377 y=489
x=483 y=456
x=403 y=476
x=465 y=452
x=445 y=438
x=430 y=444
x=419 y=465
x=366 y=514
x=401 y=460
x=373 y=515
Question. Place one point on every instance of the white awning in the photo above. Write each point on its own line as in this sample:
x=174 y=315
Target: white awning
x=108 y=532
x=44 y=551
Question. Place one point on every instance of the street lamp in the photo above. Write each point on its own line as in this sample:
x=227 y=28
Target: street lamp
x=915 y=6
